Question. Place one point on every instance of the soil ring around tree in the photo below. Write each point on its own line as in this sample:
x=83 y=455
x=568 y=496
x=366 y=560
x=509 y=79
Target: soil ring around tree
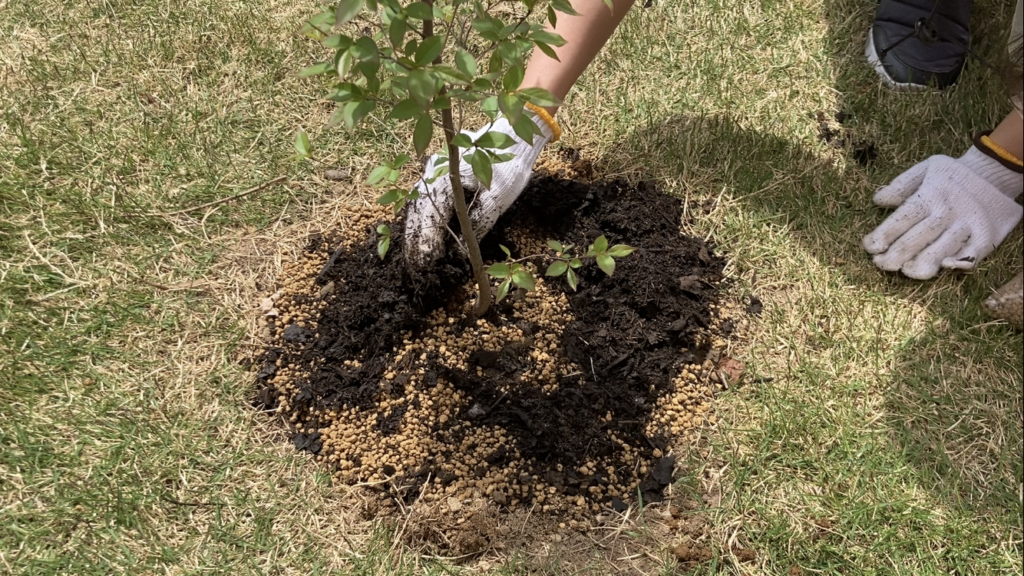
x=567 y=403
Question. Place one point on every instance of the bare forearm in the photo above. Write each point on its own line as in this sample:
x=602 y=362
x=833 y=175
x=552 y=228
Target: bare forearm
x=584 y=36
x=1009 y=134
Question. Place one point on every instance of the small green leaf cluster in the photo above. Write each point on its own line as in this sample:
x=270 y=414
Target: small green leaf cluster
x=564 y=262
x=510 y=272
x=383 y=240
x=422 y=58
x=567 y=263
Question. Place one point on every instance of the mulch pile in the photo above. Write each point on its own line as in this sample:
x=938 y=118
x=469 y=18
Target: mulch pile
x=562 y=400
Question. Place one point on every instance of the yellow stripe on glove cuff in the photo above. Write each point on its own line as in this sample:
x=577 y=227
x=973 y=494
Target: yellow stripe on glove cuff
x=1001 y=152
x=541 y=113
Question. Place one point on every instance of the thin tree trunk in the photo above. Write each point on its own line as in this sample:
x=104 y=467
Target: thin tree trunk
x=483 y=284
x=476 y=260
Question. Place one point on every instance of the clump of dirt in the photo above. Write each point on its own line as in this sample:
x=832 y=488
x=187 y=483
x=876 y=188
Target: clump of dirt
x=831 y=130
x=559 y=400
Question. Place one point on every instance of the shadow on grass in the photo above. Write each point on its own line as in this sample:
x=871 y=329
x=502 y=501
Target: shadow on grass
x=950 y=389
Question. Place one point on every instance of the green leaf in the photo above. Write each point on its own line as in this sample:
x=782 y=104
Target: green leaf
x=396 y=32
x=316 y=69
x=557 y=268
x=499 y=270
x=422 y=134
x=382 y=246
x=547 y=38
x=513 y=78
x=439 y=172
x=354 y=112
x=346 y=10
x=450 y=75
x=552 y=17
x=421 y=87
x=344 y=63
x=383 y=230
x=564 y=7
x=365 y=50
x=510 y=53
x=575 y=263
x=429 y=49
x=336 y=119
x=523 y=279
x=570 y=277
x=441 y=102
x=302 y=144
x=505 y=250
x=525 y=128
x=337 y=42
x=325 y=18
x=503 y=290
x=405 y=109
x=600 y=245
x=510 y=106
x=555 y=245
x=620 y=250
x=548 y=51
x=489 y=106
x=401 y=160
x=481 y=164
x=369 y=70
x=606 y=263
x=377 y=175
x=419 y=11
x=611 y=7
x=495 y=140
x=494 y=64
x=462 y=141
x=466 y=63
x=485 y=26
x=539 y=97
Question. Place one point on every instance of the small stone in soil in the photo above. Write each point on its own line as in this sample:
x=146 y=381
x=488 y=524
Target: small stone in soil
x=337 y=175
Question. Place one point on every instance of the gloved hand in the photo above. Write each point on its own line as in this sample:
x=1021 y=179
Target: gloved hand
x=950 y=213
x=427 y=216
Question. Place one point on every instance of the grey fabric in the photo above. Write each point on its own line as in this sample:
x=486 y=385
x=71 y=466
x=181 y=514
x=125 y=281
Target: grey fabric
x=896 y=19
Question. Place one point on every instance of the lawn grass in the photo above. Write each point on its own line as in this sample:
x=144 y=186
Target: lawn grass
x=888 y=440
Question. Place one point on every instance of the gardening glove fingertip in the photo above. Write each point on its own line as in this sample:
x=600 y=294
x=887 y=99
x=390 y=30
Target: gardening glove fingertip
x=921 y=268
x=906 y=217
x=874 y=243
x=901 y=187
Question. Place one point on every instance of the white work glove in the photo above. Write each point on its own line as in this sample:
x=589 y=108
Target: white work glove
x=427 y=217
x=950 y=213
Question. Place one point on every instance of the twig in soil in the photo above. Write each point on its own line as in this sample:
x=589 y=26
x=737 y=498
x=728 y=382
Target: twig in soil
x=408 y=515
x=723 y=380
x=528 y=514
x=330 y=262
x=366 y=484
x=252 y=190
x=500 y=398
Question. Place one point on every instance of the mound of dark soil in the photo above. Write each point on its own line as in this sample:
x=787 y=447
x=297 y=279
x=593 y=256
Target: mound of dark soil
x=630 y=336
